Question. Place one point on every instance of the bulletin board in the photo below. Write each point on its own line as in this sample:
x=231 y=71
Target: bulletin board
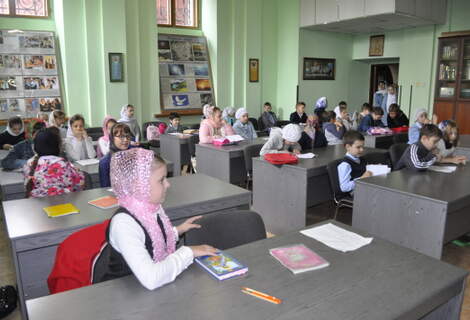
x=185 y=73
x=29 y=77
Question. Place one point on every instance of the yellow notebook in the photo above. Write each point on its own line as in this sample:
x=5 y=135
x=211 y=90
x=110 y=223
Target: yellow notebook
x=60 y=210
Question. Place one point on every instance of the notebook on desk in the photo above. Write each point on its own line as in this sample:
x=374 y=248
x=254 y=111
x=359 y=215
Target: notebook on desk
x=106 y=202
x=298 y=258
x=222 y=266
x=60 y=210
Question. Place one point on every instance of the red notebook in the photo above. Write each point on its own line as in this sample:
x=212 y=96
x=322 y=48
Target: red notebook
x=281 y=158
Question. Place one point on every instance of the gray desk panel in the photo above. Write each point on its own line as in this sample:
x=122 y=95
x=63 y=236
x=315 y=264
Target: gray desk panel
x=464 y=140
x=379 y=281
x=383 y=141
x=177 y=150
x=463 y=151
x=12 y=185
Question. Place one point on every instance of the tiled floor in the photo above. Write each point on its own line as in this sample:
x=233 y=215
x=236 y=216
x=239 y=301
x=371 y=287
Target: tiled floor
x=452 y=254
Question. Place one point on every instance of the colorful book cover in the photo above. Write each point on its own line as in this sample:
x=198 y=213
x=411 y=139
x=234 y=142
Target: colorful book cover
x=298 y=258
x=106 y=202
x=222 y=266
x=60 y=210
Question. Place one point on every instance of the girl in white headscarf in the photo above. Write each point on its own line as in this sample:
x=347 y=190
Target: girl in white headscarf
x=13 y=134
x=243 y=126
x=78 y=145
x=283 y=140
x=229 y=115
x=127 y=117
x=420 y=119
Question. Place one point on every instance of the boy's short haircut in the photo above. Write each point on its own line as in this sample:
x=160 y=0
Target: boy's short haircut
x=378 y=111
x=58 y=114
x=343 y=107
x=330 y=115
x=430 y=130
x=381 y=81
x=267 y=104
x=38 y=126
x=366 y=106
x=300 y=103
x=342 y=103
x=394 y=108
x=352 y=136
x=174 y=115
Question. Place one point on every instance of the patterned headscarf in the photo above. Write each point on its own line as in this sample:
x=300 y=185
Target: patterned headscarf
x=130 y=180
x=321 y=103
x=105 y=127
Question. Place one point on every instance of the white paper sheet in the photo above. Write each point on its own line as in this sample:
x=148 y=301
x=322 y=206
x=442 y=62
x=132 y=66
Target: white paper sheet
x=337 y=238
x=306 y=155
x=234 y=138
x=443 y=169
x=378 y=169
x=88 y=162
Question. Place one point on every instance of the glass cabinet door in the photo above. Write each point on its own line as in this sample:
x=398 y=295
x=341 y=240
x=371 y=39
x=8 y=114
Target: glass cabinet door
x=465 y=80
x=448 y=68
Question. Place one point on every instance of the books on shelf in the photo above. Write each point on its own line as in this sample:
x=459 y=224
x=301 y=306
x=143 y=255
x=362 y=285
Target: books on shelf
x=222 y=266
x=298 y=258
x=60 y=210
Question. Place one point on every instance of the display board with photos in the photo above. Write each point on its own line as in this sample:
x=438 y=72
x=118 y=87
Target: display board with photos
x=185 y=72
x=29 y=78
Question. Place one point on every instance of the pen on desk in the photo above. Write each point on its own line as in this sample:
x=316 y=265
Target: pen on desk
x=261 y=295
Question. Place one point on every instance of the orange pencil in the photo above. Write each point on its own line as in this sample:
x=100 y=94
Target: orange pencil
x=261 y=295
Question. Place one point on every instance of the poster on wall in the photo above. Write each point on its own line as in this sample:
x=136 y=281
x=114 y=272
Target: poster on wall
x=185 y=72
x=29 y=77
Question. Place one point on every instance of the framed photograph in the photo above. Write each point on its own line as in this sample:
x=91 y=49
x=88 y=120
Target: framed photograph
x=376 y=46
x=319 y=69
x=254 y=70
x=116 y=67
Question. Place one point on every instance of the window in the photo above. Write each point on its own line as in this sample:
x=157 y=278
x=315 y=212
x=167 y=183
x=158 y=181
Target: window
x=24 y=8
x=177 y=13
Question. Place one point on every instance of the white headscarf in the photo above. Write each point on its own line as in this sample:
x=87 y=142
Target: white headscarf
x=228 y=112
x=321 y=103
x=208 y=110
x=292 y=132
x=240 y=113
x=69 y=130
x=124 y=117
x=337 y=110
x=10 y=131
x=419 y=113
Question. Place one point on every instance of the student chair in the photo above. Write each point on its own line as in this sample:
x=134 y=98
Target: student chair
x=342 y=199
x=249 y=152
x=193 y=126
x=225 y=230
x=255 y=123
x=95 y=133
x=400 y=138
x=396 y=151
x=282 y=123
x=261 y=126
x=377 y=158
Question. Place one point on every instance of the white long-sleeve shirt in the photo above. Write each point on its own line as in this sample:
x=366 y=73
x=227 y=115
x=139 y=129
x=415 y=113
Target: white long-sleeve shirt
x=104 y=146
x=127 y=237
x=79 y=149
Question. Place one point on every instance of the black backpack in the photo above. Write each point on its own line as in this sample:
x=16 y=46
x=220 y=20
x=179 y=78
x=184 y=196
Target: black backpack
x=8 y=299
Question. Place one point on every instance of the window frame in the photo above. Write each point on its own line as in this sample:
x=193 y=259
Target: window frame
x=173 y=24
x=12 y=14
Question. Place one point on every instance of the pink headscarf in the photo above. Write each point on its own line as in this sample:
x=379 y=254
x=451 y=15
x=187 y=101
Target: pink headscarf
x=130 y=180
x=105 y=127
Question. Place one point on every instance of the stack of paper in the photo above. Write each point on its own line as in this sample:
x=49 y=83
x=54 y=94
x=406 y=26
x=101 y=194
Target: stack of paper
x=306 y=155
x=336 y=237
x=378 y=169
x=443 y=169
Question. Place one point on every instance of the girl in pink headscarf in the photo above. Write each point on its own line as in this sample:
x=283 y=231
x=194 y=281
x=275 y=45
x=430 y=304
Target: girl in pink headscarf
x=141 y=237
x=213 y=126
x=103 y=142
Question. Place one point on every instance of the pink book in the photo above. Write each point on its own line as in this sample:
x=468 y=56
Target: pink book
x=298 y=258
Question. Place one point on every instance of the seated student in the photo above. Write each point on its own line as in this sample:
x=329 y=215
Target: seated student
x=357 y=117
x=283 y=140
x=333 y=129
x=174 y=125
x=78 y=145
x=13 y=134
x=22 y=151
x=342 y=115
x=450 y=138
x=372 y=120
x=57 y=119
x=103 y=142
x=352 y=168
x=48 y=174
x=213 y=126
x=243 y=126
x=421 y=155
x=312 y=136
x=228 y=115
x=127 y=117
x=141 y=238
x=320 y=108
x=119 y=138
x=420 y=119
x=299 y=116
x=268 y=117
x=396 y=118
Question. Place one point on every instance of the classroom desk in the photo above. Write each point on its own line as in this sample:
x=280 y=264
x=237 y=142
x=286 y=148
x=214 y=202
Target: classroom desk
x=379 y=281
x=34 y=237
x=93 y=171
x=224 y=163
x=464 y=140
x=419 y=210
x=11 y=185
x=177 y=149
x=463 y=151
x=383 y=141
x=282 y=194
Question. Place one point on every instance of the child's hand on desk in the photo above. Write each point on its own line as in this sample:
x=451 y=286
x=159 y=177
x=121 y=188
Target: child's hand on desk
x=7 y=146
x=296 y=151
x=188 y=225
x=460 y=160
x=367 y=174
x=203 y=250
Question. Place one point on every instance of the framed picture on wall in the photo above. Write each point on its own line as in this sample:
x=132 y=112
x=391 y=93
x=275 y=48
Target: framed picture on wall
x=376 y=46
x=116 y=67
x=319 y=69
x=254 y=70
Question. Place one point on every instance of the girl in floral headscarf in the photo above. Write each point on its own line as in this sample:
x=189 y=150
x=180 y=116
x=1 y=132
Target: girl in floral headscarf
x=141 y=237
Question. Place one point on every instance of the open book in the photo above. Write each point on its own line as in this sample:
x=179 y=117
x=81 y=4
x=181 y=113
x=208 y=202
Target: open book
x=378 y=169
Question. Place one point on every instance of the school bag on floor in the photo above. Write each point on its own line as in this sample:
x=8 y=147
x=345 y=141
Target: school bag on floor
x=8 y=300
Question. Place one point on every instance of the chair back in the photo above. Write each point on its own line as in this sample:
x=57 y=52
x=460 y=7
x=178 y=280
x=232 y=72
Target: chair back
x=377 y=158
x=254 y=122
x=261 y=126
x=249 y=152
x=94 y=132
x=400 y=138
x=396 y=151
x=332 y=169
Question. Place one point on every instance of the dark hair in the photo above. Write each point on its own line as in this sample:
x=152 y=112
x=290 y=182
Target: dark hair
x=450 y=124
x=394 y=108
x=216 y=109
x=38 y=126
x=343 y=107
x=173 y=115
x=342 y=103
x=13 y=121
x=330 y=115
x=76 y=117
x=300 y=103
x=430 y=130
x=381 y=81
x=352 y=136
x=117 y=128
x=378 y=111
x=58 y=114
x=267 y=104
x=366 y=106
